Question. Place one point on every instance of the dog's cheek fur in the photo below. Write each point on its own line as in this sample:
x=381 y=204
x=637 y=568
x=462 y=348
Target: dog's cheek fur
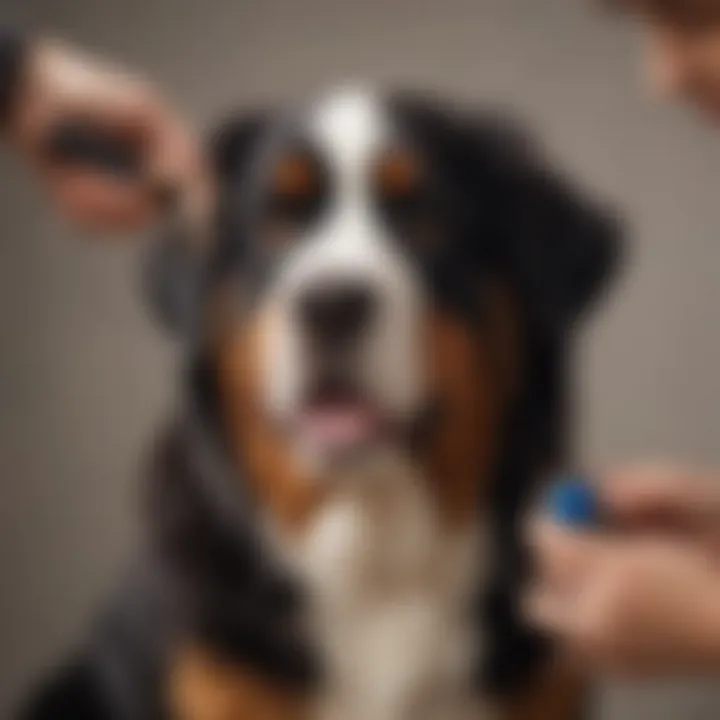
x=475 y=371
x=257 y=446
x=506 y=330
x=459 y=456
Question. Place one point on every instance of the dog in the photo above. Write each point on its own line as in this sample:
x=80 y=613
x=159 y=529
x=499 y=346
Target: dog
x=377 y=335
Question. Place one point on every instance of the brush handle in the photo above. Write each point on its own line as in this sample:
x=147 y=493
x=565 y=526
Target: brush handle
x=80 y=144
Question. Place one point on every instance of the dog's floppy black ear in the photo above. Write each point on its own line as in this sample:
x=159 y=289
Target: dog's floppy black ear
x=560 y=246
x=562 y=243
x=518 y=212
x=179 y=263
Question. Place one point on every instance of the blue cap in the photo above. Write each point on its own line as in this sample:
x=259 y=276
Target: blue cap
x=573 y=502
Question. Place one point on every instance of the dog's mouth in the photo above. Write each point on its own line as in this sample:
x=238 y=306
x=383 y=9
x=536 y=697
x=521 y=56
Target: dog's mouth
x=337 y=418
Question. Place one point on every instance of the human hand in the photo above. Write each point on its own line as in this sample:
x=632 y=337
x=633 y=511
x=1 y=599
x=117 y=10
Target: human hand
x=628 y=605
x=664 y=498
x=60 y=85
x=646 y=598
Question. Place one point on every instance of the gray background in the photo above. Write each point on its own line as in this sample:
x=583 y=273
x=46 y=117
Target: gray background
x=84 y=378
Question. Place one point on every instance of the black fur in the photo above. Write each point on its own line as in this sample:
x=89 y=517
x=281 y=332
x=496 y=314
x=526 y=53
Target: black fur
x=507 y=214
x=522 y=220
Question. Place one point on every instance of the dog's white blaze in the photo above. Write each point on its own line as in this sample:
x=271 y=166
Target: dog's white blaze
x=351 y=126
x=390 y=585
x=350 y=129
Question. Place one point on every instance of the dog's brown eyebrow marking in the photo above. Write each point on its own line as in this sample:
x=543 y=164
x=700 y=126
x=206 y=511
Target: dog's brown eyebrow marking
x=398 y=172
x=296 y=194
x=296 y=175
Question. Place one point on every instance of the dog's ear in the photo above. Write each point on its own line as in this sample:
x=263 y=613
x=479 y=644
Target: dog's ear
x=560 y=247
x=179 y=267
x=518 y=214
x=560 y=242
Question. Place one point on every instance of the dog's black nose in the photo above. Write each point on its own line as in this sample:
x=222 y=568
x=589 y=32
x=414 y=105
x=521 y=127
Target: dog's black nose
x=332 y=314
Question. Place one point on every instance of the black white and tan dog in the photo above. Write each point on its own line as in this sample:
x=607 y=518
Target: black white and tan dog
x=377 y=337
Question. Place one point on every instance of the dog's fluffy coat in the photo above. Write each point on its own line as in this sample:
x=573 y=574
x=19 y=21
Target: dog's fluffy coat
x=379 y=595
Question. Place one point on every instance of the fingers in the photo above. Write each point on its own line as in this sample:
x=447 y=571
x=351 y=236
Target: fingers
x=100 y=203
x=175 y=160
x=550 y=609
x=66 y=87
x=624 y=600
x=62 y=83
x=98 y=199
x=563 y=558
x=566 y=564
x=661 y=496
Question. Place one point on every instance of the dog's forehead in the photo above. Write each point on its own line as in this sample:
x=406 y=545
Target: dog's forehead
x=349 y=126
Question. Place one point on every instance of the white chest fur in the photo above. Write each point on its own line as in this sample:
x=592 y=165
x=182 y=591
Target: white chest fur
x=391 y=588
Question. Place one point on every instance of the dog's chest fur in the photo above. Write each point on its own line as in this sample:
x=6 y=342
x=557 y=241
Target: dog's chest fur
x=391 y=587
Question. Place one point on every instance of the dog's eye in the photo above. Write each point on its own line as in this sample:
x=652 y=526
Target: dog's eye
x=295 y=176
x=403 y=196
x=297 y=190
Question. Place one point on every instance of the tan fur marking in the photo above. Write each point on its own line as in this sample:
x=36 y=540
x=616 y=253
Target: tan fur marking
x=295 y=176
x=204 y=687
x=398 y=173
x=476 y=377
x=280 y=483
x=462 y=449
x=505 y=334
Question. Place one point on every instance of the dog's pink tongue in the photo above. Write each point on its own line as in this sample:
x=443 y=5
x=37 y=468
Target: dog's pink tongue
x=338 y=428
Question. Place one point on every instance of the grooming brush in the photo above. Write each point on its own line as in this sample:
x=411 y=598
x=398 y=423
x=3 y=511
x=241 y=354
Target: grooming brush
x=573 y=502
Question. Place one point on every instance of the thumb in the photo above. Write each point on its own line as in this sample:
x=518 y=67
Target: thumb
x=565 y=557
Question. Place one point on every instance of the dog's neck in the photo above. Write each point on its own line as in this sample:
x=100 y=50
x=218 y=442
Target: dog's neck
x=378 y=519
x=391 y=589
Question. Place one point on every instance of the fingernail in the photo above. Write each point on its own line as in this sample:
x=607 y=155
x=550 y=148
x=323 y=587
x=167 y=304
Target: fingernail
x=572 y=501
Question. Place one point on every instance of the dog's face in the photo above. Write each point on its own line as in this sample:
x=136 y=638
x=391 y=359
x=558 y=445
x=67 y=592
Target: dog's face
x=342 y=303
x=382 y=271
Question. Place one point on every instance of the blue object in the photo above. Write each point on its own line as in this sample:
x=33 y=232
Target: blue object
x=573 y=502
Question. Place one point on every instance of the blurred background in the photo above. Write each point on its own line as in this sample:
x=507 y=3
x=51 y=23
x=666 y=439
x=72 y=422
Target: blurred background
x=84 y=378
